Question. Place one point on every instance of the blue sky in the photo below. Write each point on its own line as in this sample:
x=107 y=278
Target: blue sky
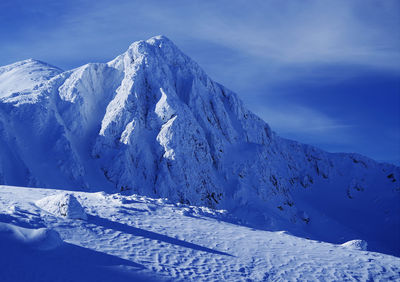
x=322 y=72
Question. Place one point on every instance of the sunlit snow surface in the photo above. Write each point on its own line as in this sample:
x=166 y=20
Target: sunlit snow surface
x=33 y=72
x=144 y=239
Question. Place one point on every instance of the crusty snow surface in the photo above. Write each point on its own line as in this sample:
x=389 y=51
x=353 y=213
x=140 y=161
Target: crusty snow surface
x=136 y=238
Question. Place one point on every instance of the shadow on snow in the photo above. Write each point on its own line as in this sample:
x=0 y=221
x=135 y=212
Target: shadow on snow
x=150 y=235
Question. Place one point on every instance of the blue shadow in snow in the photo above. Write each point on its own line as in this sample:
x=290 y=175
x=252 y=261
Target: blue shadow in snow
x=150 y=235
x=68 y=262
x=22 y=220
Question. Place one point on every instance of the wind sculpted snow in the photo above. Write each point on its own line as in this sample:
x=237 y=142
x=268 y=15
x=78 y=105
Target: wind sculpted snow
x=152 y=122
x=137 y=238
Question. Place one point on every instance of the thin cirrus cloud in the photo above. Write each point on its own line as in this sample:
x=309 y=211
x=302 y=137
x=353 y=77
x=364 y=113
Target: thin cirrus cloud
x=279 y=32
x=290 y=32
x=294 y=121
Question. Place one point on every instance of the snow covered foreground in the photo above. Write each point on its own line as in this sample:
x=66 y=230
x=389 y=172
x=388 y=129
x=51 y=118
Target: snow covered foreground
x=135 y=238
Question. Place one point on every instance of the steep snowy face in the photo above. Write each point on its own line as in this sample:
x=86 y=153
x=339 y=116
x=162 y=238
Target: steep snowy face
x=24 y=76
x=152 y=122
x=172 y=126
x=164 y=123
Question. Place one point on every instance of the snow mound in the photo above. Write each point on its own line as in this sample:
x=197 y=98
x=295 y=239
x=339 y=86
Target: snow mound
x=360 y=245
x=41 y=239
x=63 y=205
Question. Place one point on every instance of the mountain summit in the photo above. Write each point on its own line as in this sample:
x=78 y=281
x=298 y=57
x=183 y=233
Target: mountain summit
x=24 y=76
x=152 y=122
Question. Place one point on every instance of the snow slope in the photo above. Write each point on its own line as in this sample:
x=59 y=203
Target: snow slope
x=151 y=122
x=25 y=76
x=144 y=239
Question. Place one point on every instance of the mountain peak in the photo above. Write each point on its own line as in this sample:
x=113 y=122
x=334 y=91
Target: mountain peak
x=155 y=53
x=157 y=41
x=24 y=76
x=27 y=63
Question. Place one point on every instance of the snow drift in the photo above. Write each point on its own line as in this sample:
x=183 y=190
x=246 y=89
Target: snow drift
x=152 y=122
x=40 y=239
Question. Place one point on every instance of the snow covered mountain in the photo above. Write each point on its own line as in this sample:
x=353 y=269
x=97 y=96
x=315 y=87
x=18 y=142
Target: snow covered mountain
x=152 y=122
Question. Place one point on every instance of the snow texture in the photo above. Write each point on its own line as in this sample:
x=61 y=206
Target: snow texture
x=356 y=245
x=152 y=122
x=25 y=76
x=137 y=238
x=65 y=205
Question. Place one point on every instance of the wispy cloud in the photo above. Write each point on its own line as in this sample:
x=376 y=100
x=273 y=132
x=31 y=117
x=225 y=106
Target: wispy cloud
x=306 y=124
x=312 y=32
x=278 y=32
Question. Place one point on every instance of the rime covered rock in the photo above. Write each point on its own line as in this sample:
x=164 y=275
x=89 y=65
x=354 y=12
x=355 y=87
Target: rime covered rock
x=63 y=205
x=360 y=245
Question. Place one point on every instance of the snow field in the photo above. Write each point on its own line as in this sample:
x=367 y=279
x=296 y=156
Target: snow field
x=154 y=239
